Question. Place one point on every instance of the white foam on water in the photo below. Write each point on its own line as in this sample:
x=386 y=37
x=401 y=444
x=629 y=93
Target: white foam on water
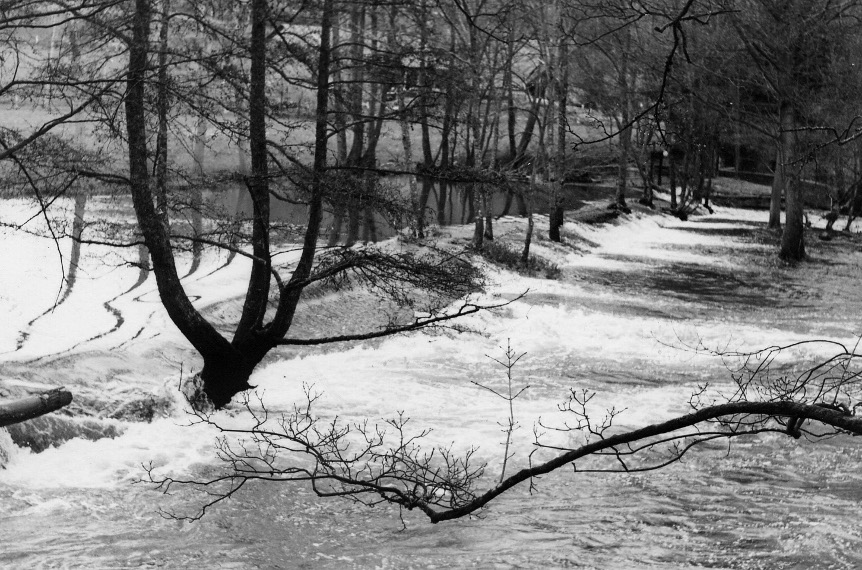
x=571 y=337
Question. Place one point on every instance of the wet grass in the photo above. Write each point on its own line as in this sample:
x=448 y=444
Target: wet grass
x=506 y=256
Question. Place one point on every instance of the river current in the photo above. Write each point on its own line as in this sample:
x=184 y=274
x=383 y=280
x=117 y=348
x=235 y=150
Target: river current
x=630 y=296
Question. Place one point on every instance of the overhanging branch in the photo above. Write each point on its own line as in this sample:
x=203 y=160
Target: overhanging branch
x=824 y=415
x=418 y=323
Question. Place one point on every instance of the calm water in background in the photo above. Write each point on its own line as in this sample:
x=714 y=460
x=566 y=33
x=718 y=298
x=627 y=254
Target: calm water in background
x=445 y=204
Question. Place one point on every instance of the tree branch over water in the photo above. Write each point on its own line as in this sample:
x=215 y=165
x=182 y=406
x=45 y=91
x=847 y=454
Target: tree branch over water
x=386 y=463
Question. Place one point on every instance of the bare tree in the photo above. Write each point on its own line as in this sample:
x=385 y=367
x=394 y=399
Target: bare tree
x=794 y=69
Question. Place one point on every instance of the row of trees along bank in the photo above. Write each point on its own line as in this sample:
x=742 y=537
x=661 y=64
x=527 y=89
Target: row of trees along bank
x=319 y=99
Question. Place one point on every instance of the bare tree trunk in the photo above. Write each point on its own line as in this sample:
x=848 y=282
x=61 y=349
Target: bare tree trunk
x=510 y=97
x=30 y=407
x=671 y=162
x=257 y=294
x=196 y=197
x=557 y=214
x=489 y=196
x=200 y=145
x=369 y=226
x=227 y=365
x=352 y=225
x=80 y=197
x=427 y=186
x=473 y=140
x=357 y=39
x=242 y=142
x=376 y=105
x=793 y=237
x=851 y=206
x=335 y=229
x=406 y=141
x=684 y=180
x=489 y=217
x=77 y=231
x=466 y=198
x=340 y=123
x=442 y=187
x=625 y=127
x=340 y=110
x=294 y=287
x=423 y=89
x=444 y=157
x=623 y=165
x=778 y=183
x=528 y=238
x=478 y=218
x=408 y=159
x=527 y=135
x=206 y=340
x=162 y=110
x=508 y=203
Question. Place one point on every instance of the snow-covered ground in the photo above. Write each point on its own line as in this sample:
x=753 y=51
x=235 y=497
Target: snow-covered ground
x=630 y=297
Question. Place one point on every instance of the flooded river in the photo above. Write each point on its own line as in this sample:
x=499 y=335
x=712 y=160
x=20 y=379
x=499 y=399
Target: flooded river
x=630 y=295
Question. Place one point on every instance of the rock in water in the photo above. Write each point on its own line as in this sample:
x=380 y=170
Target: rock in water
x=43 y=432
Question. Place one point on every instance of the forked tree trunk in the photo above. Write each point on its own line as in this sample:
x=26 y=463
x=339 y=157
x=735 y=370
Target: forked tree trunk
x=227 y=365
x=206 y=340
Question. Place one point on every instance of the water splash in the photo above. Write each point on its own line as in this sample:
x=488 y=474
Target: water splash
x=7 y=448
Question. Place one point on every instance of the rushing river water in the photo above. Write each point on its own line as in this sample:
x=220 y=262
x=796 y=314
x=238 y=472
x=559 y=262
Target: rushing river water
x=627 y=294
